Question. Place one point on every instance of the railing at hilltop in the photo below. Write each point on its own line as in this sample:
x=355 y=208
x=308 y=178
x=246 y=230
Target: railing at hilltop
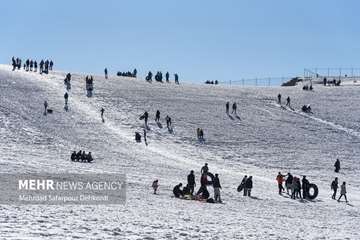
x=317 y=75
x=258 y=82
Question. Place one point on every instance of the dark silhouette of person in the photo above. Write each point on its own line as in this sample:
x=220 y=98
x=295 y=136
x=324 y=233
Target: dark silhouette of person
x=176 y=78
x=177 y=191
x=106 y=73
x=227 y=105
x=343 y=192
x=51 y=64
x=204 y=169
x=305 y=187
x=279 y=98
x=288 y=101
x=334 y=187
x=168 y=122
x=157 y=116
x=167 y=76
x=234 y=107
x=191 y=182
x=337 y=165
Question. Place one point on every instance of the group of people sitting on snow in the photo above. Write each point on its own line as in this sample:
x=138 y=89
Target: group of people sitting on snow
x=31 y=65
x=159 y=77
x=81 y=156
x=127 y=74
x=308 y=88
x=334 y=82
x=306 y=108
x=202 y=194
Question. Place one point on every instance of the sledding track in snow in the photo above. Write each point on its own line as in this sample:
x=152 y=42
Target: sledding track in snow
x=262 y=142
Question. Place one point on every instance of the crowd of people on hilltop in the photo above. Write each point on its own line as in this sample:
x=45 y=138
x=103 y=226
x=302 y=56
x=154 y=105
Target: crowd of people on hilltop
x=132 y=74
x=159 y=77
x=81 y=156
x=32 y=65
x=216 y=82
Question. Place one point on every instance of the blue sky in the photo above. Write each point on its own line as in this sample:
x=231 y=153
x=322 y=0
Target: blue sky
x=201 y=40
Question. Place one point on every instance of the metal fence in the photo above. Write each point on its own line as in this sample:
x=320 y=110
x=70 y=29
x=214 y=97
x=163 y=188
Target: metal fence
x=260 y=82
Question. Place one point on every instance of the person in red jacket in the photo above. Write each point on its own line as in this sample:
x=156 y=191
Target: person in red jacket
x=280 y=180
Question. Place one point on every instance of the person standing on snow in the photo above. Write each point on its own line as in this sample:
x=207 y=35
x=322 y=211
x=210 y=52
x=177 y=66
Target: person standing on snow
x=145 y=138
x=51 y=65
x=227 y=105
x=157 y=116
x=168 y=122
x=242 y=185
x=337 y=165
x=102 y=110
x=343 y=192
x=45 y=106
x=106 y=73
x=234 y=107
x=305 y=187
x=167 y=76
x=191 y=182
x=248 y=186
x=66 y=96
x=288 y=101
x=176 y=78
x=217 y=187
x=155 y=185
x=280 y=180
x=279 y=99
x=334 y=187
x=288 y=182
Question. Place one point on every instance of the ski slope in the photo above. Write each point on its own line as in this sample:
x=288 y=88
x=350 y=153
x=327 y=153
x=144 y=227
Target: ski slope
x=263 y=140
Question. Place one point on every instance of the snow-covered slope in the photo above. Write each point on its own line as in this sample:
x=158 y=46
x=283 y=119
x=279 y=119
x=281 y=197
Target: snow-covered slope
x=264 y=140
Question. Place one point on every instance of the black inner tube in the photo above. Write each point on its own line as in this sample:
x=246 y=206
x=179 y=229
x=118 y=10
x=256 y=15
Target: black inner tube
x=315 y=191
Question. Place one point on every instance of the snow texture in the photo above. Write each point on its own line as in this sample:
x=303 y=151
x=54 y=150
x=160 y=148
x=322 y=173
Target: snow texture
x=261 y=141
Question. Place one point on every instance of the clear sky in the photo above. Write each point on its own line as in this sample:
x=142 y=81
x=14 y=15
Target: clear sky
x=199 y=39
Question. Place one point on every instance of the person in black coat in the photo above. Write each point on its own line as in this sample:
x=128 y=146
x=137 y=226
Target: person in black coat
x=157 y=116
x=146 y=116
x=217 y=187
x=334 y=187
x=248 y=186
x=73 y=156
x=177 y=191
x=337 y=165
x=191 y=182
x=305 y=187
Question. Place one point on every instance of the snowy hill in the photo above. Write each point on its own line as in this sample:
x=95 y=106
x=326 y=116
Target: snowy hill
x=264 y=140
